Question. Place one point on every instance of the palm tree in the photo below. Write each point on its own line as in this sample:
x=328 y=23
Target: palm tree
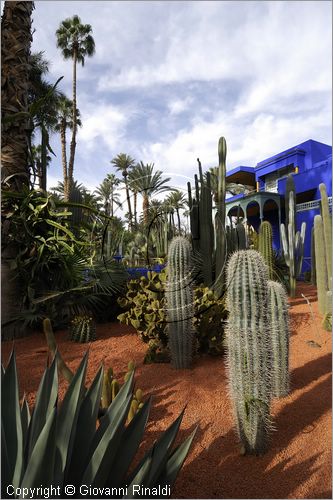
x=64 y=122
x=75 y=41
x=107 y=192
x=39 y=159
x=176 y=201
x=15 y=52
x=124 y=164
x=149 y=183
x=231 y=187
x=132 y=183
x=44 y=118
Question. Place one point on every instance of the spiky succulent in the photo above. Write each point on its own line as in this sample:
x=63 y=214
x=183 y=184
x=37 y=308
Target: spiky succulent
x=59 y=445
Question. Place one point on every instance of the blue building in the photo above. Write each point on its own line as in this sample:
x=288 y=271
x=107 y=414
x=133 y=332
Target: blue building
x=310 y=163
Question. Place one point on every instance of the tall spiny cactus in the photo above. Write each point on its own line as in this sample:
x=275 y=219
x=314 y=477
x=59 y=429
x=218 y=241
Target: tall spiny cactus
x=206 y=228
x=290 y=187
x=327 y=226
x=279 y=335
x=220 y=217
x=313 y=258
x=321 y=268
x=293 y=245
x=266 y=245
x=179 y=300
x=249 y=348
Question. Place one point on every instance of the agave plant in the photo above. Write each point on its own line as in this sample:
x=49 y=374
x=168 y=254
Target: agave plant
x=58 y=445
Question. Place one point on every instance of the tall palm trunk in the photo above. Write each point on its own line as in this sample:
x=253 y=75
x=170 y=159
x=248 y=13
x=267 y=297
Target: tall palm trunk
x=73 y=141
x=63 y=152
x=130 y=215
x=145 y=208
x=135 y=209
x=178 y=218
x=15 y=53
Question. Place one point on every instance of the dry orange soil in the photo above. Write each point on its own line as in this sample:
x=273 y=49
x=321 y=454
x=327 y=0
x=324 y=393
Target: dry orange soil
x=298 y=463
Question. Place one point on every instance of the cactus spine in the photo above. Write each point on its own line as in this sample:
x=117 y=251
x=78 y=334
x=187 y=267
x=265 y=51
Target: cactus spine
x=293 y=245
x=248 y=348
x=279 y=331
x=179 y=302
x=266 y=245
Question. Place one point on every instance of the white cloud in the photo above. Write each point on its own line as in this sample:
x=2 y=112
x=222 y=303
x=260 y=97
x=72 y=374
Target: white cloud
x=105 y=122
x=272 y=62
x=177 y=106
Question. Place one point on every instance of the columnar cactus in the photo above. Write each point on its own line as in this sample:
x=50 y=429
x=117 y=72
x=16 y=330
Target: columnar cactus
x=279 y=336
x=321 y=267
x=266 y=245
x=327 y=227
x=248 y=344
x=179 y=302
x=313 y=259
x=293 y=245
x=206 y=228
x=220 y=230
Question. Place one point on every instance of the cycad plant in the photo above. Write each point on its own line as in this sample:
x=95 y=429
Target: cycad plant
x=57 y=445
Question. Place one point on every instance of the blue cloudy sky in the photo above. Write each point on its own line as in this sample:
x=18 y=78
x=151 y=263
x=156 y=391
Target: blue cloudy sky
x=169 y=78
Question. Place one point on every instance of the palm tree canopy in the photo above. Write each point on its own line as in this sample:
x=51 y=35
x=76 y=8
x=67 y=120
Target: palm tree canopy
x=65 y=114
x=148 y=182
x=75 y=37
x=124 y=163
x=107 y=190
x=175 y=200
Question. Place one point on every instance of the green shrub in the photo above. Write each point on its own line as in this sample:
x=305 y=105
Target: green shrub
x=144 y=305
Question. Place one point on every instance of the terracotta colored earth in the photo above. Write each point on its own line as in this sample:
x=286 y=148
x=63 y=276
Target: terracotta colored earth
x=298 y=463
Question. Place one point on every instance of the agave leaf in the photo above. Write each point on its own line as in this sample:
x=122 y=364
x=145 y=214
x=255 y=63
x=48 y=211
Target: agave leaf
x=139 y=477
x=46 y=399
x=85 y=428
x=175 y=462
x=98 y=468
x=39 y=471
x=114 y=418
x=5 y=472
x=160 y=452
x=116 y=404
x=129 y=445
x=25 y=418
x=11 y=419
x=67 y=420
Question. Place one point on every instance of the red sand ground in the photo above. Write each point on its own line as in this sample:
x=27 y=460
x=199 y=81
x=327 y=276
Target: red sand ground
x=298 y=464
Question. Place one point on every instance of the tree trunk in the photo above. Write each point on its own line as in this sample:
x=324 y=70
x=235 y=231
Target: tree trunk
x=64 y=155
x=178 y=217
x=130 y=216
x=15 y=53
x=43 y=162
x=73 y=141
x=135 y=209
x=145 y=208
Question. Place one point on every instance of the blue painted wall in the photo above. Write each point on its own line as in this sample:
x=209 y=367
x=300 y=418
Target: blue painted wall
x=314 y=162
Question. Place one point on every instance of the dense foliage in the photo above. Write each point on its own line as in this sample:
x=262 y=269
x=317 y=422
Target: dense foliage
x=144 y=304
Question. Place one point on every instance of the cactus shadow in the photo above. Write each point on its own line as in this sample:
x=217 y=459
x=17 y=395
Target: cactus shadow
x=281 y=471
x=313 y=370
x=300 y=320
